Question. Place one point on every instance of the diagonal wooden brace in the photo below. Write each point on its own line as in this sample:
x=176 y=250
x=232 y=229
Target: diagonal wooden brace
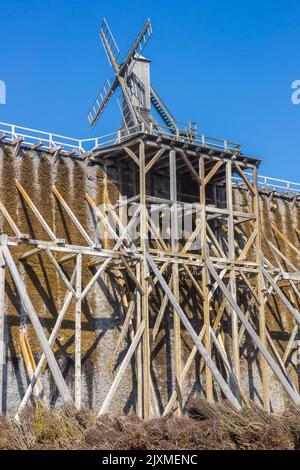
x=56 y=372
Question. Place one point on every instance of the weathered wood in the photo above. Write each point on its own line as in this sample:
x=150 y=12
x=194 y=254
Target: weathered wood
x=204 y=252
x=53 y=335
x=244 y=177
x=35 y=211
x=78 y=332
x=285 y=239
x=2 y=325
x=154 y=159
x=175 y=277
x=72 y=216
x=60 y=272
x=10 y=220
x=132 y=155
x=207 y=358
x=284 y=299
x=57 y=375
x=212 y=172
x=287 y=386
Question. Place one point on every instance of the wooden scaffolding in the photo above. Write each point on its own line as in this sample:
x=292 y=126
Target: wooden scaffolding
x=226 y=274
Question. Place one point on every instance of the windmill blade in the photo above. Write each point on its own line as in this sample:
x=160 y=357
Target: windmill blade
x=101 y=100
x=109 y=43
x=137 y=47
x=162 y=110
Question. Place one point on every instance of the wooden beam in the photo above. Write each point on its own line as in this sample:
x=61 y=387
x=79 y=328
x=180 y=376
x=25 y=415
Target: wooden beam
x=132 y=155
x=78 y=332
x=57 y=375
x=73 y=217
x=287 y=386
x=10 y=221
x=285 y=239
x=212 y=172
x=284 y=299
x=35 y=211
x=2 y=325
x=154 y=159
x=244 y=177
x=207 y=357
x=60 y=272
x=53 y=335
x=190 y=167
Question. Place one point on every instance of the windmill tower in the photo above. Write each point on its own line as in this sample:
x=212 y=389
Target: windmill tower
x=138 y=97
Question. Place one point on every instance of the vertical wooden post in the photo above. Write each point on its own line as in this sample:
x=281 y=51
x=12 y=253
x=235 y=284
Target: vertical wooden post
x=204 y=253
x=175 y=277
x=260 y=295
x=144 y=273
x=232 y=281
x=78 y=333
x=139 y=371
x=105 y=204
x=2 y=320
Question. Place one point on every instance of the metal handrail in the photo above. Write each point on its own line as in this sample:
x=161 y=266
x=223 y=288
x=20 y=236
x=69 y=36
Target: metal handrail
x=47 y=140
x=272 y=184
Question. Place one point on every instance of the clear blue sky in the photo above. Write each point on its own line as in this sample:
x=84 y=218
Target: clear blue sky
x=227 y=64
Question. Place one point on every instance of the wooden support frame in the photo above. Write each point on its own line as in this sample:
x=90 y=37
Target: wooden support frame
x=229 y=261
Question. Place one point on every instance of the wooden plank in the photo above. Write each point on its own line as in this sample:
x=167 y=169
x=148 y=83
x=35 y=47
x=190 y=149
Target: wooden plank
x=175 y=277
x=30 y=253
x=194 y=281
x=190 y=167
x=60 y=271
x=2 y=324
x=138 y=354
x=248 y=245
x=35 y=211
x=204 y=252
x=57 y=375
x=244 y=177
x=284 y=299
x=160 y=314
x=132 y=155
x=73 y=217
x=285 y=239
x=287 y=386
x=10 y=220
x=212 y=172
x=78 y=333
x=260 y=293
x=132 y=275
x=144 y=278
x=154 y=159
x=207 y=358
x=232 y=275
x=103 y=219
x=51 y=340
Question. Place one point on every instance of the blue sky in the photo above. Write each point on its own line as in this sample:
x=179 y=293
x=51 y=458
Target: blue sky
x=228 y=65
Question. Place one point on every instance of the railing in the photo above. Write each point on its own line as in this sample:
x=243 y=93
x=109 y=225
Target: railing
x=32 y=137
x=48 y=141
x=183 y=134
x=272 y=184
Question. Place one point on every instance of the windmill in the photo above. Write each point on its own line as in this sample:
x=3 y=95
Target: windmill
x=138 y=97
